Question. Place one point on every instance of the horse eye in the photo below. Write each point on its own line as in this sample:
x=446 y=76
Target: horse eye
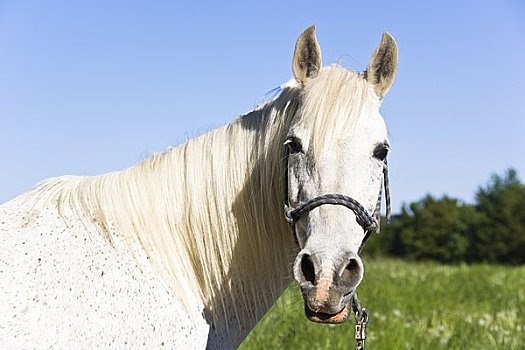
x=294 y=145
x=381 y=151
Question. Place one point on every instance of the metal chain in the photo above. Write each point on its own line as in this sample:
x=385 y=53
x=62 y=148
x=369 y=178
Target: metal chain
x=362 y=316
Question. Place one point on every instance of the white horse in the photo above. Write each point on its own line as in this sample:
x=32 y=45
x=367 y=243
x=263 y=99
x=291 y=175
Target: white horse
x=190 y=248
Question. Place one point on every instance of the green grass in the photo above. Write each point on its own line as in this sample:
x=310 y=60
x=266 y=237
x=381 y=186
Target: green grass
x=413 y=306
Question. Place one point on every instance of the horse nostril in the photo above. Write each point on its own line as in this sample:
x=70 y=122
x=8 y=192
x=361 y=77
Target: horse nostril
x=352 y=273
x=308 y=269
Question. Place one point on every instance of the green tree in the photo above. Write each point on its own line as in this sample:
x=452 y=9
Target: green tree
x=436 y=229
x=500 y=236
x=447 y=230
x=386 y=242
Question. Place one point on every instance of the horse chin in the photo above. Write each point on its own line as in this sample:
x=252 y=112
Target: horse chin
x=321 y=317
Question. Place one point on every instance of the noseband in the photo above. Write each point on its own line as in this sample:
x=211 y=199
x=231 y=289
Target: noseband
x=369 y=223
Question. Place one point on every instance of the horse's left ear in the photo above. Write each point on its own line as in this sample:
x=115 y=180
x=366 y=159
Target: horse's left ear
x=307 y=56
x=383 y=65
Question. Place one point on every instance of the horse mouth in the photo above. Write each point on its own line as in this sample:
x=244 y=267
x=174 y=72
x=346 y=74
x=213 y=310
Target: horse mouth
x=321 y=317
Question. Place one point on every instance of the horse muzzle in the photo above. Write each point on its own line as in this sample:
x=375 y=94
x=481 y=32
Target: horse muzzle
x=327 y=285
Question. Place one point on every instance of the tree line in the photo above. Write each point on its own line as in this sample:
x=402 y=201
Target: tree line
x=491 y=230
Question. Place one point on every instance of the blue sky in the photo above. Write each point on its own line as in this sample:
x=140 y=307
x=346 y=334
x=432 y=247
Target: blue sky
x=91 y=87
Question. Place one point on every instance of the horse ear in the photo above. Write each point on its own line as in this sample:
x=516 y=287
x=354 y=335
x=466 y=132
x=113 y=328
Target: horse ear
x=307 y=56
x=383 y=65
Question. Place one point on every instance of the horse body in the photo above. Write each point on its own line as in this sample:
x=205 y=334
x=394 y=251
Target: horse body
x=65 y=287
x=133 y=259
x=190 y=248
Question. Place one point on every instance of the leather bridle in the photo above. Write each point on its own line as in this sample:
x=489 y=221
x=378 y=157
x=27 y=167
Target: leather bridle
x=369 y=223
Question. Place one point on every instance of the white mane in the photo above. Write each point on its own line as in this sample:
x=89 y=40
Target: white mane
x=209 y=213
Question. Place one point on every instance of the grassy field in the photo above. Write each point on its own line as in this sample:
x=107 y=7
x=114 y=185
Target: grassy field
x=413 y=306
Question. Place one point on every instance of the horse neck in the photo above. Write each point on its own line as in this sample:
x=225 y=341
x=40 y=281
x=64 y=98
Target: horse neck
x=209 y=216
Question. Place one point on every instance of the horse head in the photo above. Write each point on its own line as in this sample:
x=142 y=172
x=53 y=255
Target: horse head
x=337 y=144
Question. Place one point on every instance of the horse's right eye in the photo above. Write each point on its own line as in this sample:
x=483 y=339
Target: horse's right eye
x=294 y=145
